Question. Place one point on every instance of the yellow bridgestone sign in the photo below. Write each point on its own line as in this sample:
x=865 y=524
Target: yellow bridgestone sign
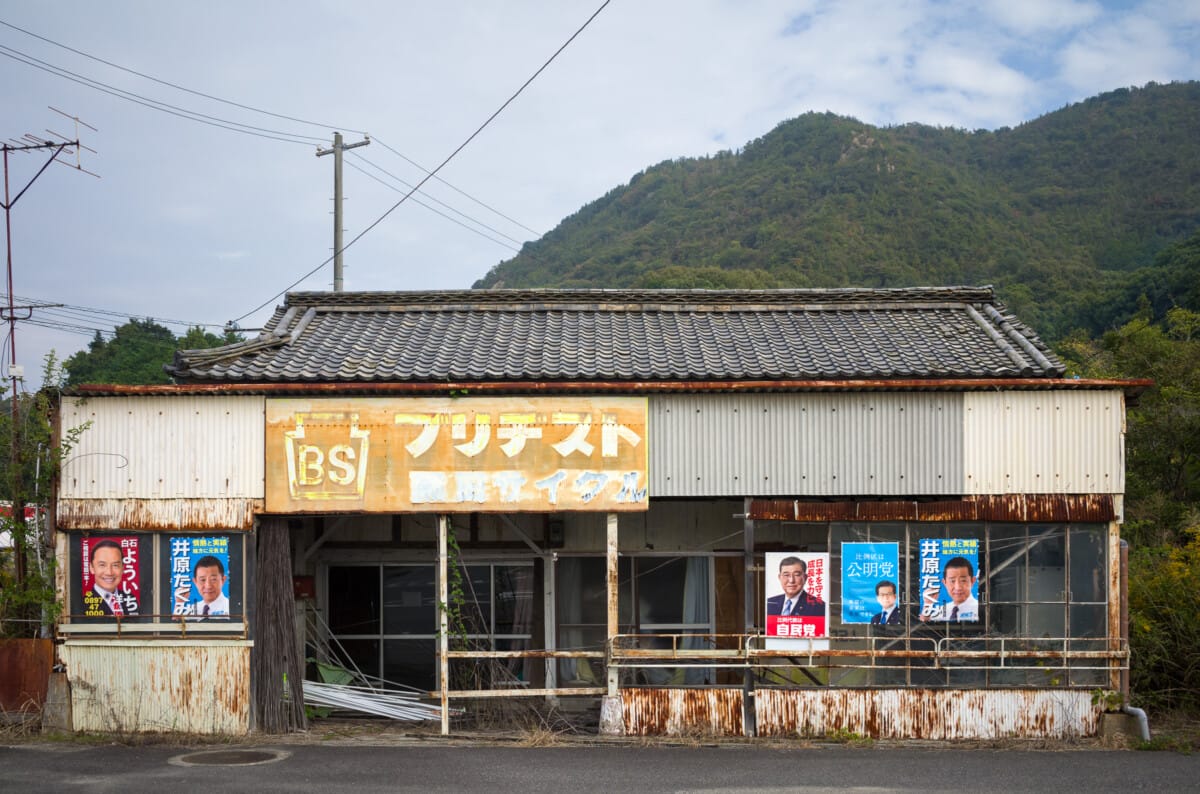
x=471 y=454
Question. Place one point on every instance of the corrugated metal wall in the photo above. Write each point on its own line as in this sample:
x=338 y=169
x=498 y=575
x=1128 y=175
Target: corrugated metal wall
x=1044 y=442
x=155 y=685
x=835 y=444
x=928 y=713
x=165 y=447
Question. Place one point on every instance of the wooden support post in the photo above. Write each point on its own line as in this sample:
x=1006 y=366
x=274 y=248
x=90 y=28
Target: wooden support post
x=612 y=721
x=443 y=522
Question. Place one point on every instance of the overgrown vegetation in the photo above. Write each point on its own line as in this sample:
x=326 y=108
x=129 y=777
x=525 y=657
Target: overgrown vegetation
x=1162 y=487
x=27 y=596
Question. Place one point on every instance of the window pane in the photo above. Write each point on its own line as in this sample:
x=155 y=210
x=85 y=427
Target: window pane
x=514 y=599
x=410 y=662
x=354 y=599
x=1007 y=564
x=1088 y=571
x=582 y=591
x=1089 y=620
x=672 y=590
x=476 y=608
x=410 y=606
x=363 y=654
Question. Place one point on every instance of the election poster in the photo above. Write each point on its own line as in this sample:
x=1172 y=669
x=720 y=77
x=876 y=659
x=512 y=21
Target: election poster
x=111 y=575
x=201 y=582
x=949 y=579
x=796 y=589
x=870 y=584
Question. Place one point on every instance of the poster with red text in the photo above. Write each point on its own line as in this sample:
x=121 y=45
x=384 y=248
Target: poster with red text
x=797 y=607
x=110 y=575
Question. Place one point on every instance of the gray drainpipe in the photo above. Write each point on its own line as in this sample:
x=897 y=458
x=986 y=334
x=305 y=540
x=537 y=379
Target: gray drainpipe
x=1143 y=722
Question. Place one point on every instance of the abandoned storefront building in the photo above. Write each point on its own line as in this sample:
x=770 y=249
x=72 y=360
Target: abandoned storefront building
x=785 y=512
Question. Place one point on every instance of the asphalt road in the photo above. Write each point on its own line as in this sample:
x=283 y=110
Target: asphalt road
x=426 y=767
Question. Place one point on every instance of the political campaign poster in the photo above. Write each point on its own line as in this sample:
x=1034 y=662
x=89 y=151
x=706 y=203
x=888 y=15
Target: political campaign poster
x=796 y=589
x=949 y=579
x=111 y=575
x=201 y=579
x=870 y=584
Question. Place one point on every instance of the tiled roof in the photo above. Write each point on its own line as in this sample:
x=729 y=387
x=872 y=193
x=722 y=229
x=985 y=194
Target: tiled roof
x=629 y=335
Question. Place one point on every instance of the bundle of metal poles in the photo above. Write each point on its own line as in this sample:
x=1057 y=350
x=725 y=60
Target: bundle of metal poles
x=391 y=704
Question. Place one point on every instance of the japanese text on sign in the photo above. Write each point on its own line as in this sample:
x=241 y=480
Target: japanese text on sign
x=464 y=454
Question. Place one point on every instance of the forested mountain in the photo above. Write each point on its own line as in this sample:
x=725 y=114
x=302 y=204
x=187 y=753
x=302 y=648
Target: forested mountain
x=1065 y=214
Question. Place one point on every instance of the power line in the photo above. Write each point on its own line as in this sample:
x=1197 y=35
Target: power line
x=49 y=67
x=154 y=104
x=67 y=308
x=443 y=164
x=435 y=210
x=431 y=198
x=467 y=196
x=176 y=86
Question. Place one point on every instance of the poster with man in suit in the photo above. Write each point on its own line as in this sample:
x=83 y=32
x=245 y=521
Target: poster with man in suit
x=796 y=606
x=110 y=576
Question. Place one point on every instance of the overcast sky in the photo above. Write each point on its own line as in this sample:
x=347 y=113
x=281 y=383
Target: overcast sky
x=201 y=224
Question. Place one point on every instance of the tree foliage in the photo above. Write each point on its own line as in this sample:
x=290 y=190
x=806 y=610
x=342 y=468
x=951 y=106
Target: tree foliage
x=1064 y=214
x=27 y=569
x=136 y=353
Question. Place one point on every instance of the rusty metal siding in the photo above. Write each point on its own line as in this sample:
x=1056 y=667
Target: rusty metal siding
x=810 y=444
x=682 y=712
x=207 y=447
x=927 y=713
x=185 y=514
x=24 y=673
x=1044 y=442
x=156 y=685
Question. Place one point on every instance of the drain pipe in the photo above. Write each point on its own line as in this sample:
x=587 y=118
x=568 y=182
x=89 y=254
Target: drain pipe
x=1143 y=722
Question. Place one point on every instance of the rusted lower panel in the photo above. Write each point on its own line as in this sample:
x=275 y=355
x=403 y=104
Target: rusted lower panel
x=1046 y=508
x=139 y=686
x=24 y=673
x=678 y=712
x=198 y=514
x=936 y=714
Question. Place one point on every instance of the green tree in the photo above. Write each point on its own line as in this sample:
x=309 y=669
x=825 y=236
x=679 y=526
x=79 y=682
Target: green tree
x=136 y=353
x=31 y=461
x=1163 y=438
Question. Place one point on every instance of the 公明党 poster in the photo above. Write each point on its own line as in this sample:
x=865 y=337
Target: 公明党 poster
x=870 y=584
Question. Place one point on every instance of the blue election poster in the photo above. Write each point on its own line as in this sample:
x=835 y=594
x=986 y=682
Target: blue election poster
x=870 y=583
x=949 y=579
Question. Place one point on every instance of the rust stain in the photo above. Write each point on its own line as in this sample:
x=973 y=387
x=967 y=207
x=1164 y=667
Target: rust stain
x=887 y=511
x=26 y=667
x=683 y=712
x=936 y=714
x=1043 y=508
x=181 y=514
x=948 y=510
x=138 y=686
x=1132 y=387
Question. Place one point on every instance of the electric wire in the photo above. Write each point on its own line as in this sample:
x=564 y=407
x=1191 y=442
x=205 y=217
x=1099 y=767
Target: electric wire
x=154 y=104
x=254 y=109
x=177 y=86
x=441 y=165
x=434 y=209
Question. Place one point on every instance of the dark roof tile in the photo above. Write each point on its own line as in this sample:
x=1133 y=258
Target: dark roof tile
x=630 y=335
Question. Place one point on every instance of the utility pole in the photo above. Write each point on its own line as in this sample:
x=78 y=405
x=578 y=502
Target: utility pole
x=338 y=148
x=16 y=372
